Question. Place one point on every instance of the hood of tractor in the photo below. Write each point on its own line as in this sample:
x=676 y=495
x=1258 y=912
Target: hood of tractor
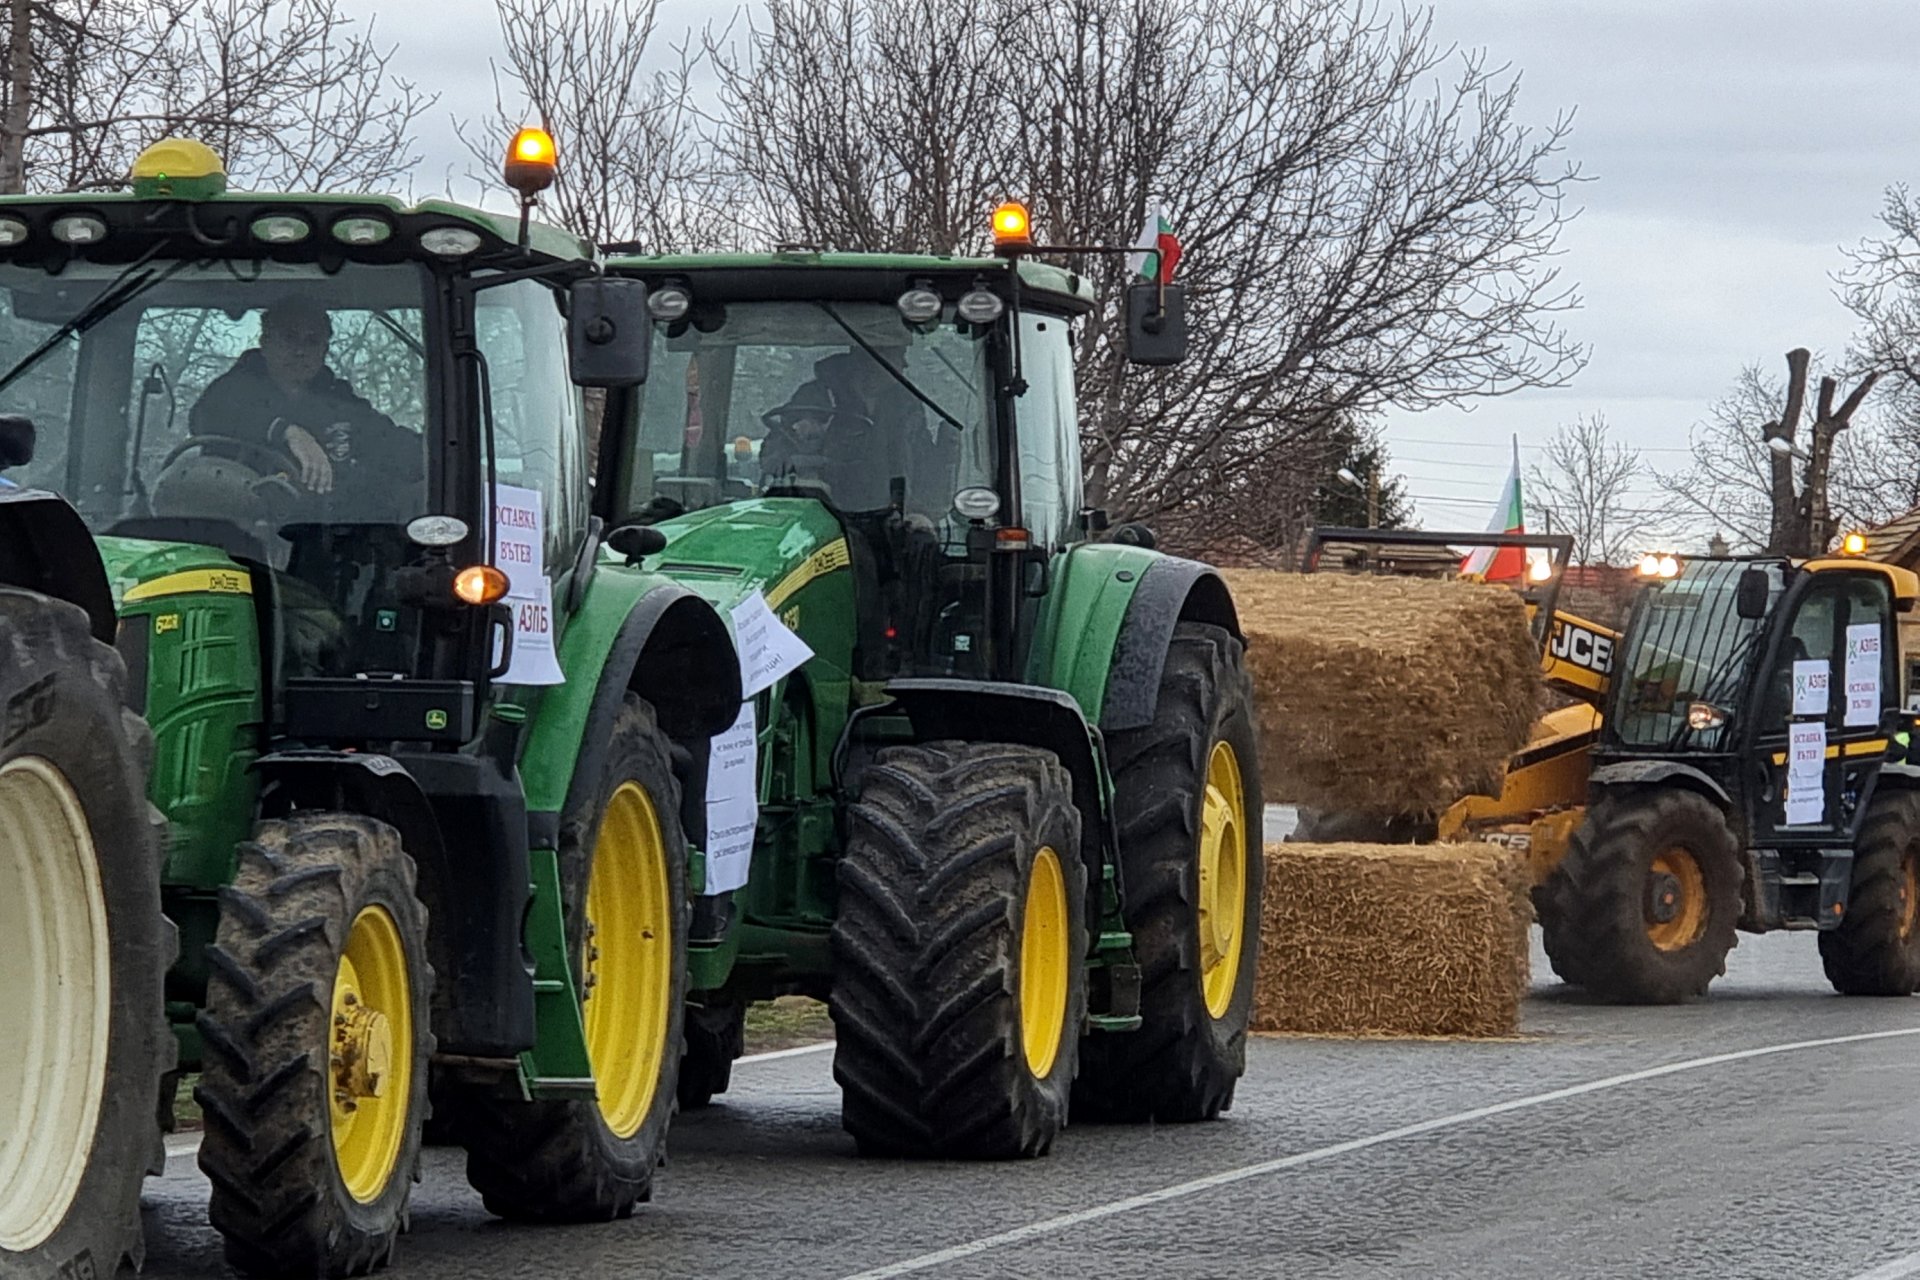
x=771 y=545
x=140 y=570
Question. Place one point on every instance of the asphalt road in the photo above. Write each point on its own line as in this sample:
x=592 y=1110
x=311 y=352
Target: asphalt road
x=1772 y=1130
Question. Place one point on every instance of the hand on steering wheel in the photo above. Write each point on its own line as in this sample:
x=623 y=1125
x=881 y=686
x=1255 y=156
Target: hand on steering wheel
x=266 y=459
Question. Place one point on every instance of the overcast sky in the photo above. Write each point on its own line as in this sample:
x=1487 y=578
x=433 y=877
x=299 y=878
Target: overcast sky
x=1733 y=146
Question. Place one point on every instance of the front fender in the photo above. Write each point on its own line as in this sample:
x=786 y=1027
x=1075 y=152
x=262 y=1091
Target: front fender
x=46 y=547
x=634 y=631
x=1648 y=773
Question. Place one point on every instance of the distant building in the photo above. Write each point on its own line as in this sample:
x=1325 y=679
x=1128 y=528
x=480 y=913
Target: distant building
x=1897 y=541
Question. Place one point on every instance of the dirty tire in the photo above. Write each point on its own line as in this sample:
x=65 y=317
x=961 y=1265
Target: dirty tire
x=560 y=1160
x=266 y=1087
x=1875 y=951
x=70 y=1189
x=932 y=1055
x=1550 y=912
x=1183 y=1062
x=1599 y=920
x=715 y=1036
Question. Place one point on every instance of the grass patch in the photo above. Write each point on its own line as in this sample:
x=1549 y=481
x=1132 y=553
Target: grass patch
x=186 y=1112
x=787 y=1023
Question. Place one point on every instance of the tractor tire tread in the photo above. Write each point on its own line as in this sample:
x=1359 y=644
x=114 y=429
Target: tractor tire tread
x=1865 y=954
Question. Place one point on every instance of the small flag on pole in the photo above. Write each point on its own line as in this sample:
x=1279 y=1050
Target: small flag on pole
x=1157 y=251
x=1502 y=564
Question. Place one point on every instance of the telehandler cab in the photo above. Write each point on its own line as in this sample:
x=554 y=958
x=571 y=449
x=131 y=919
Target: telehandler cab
x=421 y=752
x=1008 y=810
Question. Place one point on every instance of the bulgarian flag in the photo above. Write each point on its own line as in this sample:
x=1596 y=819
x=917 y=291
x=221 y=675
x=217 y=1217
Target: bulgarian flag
x=1157 y=251
x=1502 y=564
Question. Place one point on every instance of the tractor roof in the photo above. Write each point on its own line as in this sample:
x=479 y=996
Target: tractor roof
x=1058 y=285
x=549 y=241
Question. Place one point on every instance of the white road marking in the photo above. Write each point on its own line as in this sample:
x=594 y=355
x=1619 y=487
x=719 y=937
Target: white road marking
x=1227 y=1177
x=1895 y=1270
x=182 y=1145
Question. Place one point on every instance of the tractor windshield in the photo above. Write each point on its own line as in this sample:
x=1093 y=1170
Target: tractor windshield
x=1687 y=647
x=844 y=402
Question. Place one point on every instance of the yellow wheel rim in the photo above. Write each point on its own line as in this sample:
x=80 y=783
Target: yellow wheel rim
x=1676 y=900
x=627 y=992
x=370 y=1054
x=55 y=1002
x=1222 y=901
x=1045 y=963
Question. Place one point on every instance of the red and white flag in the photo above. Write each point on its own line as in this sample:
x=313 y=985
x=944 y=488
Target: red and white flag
x=1157 y=251
x=1502 y=564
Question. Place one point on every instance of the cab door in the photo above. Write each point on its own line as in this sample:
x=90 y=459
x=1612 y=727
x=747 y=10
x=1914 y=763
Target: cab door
x=1819 y=734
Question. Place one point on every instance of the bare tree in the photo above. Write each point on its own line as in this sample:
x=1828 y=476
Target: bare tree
x=1781 y=500
x=1586 y=488
x=1366 y=220
x=292 y=93
x=632 y=166
x=1881 y=286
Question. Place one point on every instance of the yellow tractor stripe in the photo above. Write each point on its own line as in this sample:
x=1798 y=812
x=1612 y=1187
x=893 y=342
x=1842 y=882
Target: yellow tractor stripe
x=828 y=558
x=1868 y=747
x=228 y=582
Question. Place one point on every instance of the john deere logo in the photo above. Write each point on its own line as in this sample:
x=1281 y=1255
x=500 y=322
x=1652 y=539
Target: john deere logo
x=436 y=719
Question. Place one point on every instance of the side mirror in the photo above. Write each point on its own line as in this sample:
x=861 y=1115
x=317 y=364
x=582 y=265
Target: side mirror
x=1135 y=534
x=636 y=542
x=1156 y=323
x=1750 y=595
x=609 y=333
x=17 y=437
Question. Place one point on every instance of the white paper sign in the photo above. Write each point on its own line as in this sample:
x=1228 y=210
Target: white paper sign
x=1810 y=679
x=519 y=542
x=733 y=807
x=1863 y=673
x=1806 y=773
x=768 y=647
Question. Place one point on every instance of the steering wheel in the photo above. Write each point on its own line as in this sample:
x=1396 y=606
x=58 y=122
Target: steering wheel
x=269 y=461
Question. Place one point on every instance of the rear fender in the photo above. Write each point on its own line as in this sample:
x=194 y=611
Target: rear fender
x=1032 y=716
x=46 y=547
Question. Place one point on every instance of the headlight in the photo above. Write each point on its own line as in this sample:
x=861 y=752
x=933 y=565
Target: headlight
x=450 y=242
x=980 y=306
x=13 y=231
x=1702 y=716
x=281 y=228
x=362 y=231
x=977 y=503
x=79 y=228
x=669 y=304
x=919 y=305
x=436 y=531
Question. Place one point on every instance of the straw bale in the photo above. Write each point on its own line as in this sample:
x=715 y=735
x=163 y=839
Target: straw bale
x=1385 y=696
x=1393 y=940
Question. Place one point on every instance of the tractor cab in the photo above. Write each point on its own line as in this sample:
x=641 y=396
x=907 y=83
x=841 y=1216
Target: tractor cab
x=308 y=399
x=1779 y=682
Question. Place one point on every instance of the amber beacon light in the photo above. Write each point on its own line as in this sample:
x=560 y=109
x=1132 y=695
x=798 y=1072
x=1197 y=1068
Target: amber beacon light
x=1011 y=225
x=531 y=162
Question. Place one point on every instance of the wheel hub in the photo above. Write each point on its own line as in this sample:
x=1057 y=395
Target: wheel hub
x=1221 y=860
x=362 y=1051
x=1663 y=897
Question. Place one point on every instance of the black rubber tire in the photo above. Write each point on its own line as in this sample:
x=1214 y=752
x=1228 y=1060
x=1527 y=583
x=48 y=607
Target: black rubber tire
x=941 y=845
x=62 y=700
x=716 y=1034
x=557 y=1160
x=1597 y=924
x=1183 y=1063
x=264 y=1092
x=1550 y=911
x=1875 y=950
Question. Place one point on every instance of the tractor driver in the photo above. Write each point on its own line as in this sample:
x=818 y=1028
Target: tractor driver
x=283 y=396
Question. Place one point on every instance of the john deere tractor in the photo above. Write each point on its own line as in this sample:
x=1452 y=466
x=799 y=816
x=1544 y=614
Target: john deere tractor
x=1008 y=804
x=80 y=848
x=421 y=754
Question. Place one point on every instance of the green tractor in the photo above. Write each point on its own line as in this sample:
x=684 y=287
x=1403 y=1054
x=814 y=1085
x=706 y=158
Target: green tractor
x=80 y=852
x=1008 y=808
x=420 y=750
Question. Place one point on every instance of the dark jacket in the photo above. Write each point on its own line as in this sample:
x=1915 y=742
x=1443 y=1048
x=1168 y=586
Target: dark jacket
x=245 y=402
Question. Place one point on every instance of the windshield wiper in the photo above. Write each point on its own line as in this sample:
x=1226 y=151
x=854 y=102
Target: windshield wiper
x=884 y=363
x=122 y=289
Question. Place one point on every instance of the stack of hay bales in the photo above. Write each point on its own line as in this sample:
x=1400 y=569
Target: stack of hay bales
x=1408 y=940
x=1385 y=696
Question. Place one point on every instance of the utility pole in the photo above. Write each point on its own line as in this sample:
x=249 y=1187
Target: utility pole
x=1373 y=498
